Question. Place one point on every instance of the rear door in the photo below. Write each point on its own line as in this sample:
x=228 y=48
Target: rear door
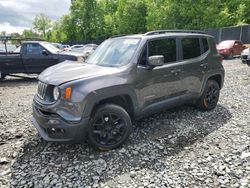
x=34 y=60
x=194 y=55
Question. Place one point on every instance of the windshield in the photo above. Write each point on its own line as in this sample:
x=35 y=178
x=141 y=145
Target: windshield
x=50 y=47
x=114 y=52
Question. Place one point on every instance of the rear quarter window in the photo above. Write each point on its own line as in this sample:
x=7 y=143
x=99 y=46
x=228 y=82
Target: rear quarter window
x=190 y=48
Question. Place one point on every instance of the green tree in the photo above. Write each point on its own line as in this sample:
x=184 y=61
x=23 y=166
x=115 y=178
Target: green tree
x=131 y=16
x=95 y=19
x=3 y=33
x=42 y=23
x=29 y=33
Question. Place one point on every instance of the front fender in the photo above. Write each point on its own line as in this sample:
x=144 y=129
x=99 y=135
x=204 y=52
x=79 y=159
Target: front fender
x=99 y=95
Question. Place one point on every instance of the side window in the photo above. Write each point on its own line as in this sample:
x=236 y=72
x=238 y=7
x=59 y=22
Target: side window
x=143 y=60
x=34 y=49
x=191 y=48
x=205 y=45
x=165 y=47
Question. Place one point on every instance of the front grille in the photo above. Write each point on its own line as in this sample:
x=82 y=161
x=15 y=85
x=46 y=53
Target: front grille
x=41 y=91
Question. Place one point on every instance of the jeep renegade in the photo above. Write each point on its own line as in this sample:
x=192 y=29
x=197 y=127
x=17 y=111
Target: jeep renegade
x=126 y=78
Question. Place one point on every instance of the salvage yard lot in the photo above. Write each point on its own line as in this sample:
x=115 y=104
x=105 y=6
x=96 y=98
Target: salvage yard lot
x=181 y=147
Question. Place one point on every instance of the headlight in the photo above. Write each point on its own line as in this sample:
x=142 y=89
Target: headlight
x=56 y=93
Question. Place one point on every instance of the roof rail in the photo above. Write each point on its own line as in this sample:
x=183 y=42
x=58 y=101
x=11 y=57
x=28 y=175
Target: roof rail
x=173 y=31
x=117 y=36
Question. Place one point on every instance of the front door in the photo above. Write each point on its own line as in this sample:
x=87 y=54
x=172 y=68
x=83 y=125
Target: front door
x=34 y=60
x=155 y=85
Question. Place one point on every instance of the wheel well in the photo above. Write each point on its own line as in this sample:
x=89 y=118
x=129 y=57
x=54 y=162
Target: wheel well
x=121 y=100
x=216 y=78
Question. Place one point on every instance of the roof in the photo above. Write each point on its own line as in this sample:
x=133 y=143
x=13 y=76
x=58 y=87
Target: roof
x=33 y=41
x=164 y=33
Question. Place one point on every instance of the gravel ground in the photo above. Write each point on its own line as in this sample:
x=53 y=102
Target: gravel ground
x=182 y=147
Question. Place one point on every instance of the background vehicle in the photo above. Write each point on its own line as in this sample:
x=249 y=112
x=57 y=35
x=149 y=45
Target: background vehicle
x=58 y=45
x=245 y=56
x=126 y=78
x=33 y=57
x=66 y=47
x=230 y=48
x=85 y=51
x=76 y=46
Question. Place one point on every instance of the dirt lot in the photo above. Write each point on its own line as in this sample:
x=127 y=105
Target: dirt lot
x=182 y=147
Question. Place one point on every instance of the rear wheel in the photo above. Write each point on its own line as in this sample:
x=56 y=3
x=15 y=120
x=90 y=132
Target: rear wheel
x=109 y=128
x=210 y=96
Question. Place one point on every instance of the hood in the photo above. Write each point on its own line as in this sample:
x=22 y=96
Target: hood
x=70 y=70
x=69 y=56
x=68 y=53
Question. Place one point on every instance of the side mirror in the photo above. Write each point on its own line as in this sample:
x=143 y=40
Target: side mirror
x=156 y=60
x=45 y=53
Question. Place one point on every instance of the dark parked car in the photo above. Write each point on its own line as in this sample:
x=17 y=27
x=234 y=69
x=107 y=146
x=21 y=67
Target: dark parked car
x=125 y=79
x=230 y=48
x=32 y=57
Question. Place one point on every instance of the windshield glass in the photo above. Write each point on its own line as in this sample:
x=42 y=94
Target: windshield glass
x=114 y=52
x=50 y=47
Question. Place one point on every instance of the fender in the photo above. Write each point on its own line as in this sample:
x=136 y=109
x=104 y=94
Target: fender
x=219 y=72
x=97 y=96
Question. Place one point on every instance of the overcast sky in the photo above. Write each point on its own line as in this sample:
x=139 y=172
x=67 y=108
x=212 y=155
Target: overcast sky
x=17 y=15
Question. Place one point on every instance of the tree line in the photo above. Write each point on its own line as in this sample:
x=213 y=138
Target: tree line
x=99 y=19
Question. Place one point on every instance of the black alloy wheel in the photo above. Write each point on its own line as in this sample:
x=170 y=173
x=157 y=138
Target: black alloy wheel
x=210 y=96
x=110 y=127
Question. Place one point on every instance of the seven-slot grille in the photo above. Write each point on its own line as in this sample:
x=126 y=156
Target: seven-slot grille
x=41 y=91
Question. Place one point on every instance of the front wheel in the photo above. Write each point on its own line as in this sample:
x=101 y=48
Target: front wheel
x=109 y=127
x=210 y=96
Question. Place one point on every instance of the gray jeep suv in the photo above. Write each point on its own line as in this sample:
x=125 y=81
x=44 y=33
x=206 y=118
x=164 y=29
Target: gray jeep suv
x=126 y=78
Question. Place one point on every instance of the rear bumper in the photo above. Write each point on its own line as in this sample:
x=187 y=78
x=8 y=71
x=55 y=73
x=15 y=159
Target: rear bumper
x=53 y=128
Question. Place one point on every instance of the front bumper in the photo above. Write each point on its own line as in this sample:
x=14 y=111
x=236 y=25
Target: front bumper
x=54 y=128
x=245 y=58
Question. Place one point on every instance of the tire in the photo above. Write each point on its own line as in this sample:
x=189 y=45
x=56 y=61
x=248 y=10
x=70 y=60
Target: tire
x=230 y=56
x=248 y=63
x=109 y=127
x=210 y=96
x=2 y=76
